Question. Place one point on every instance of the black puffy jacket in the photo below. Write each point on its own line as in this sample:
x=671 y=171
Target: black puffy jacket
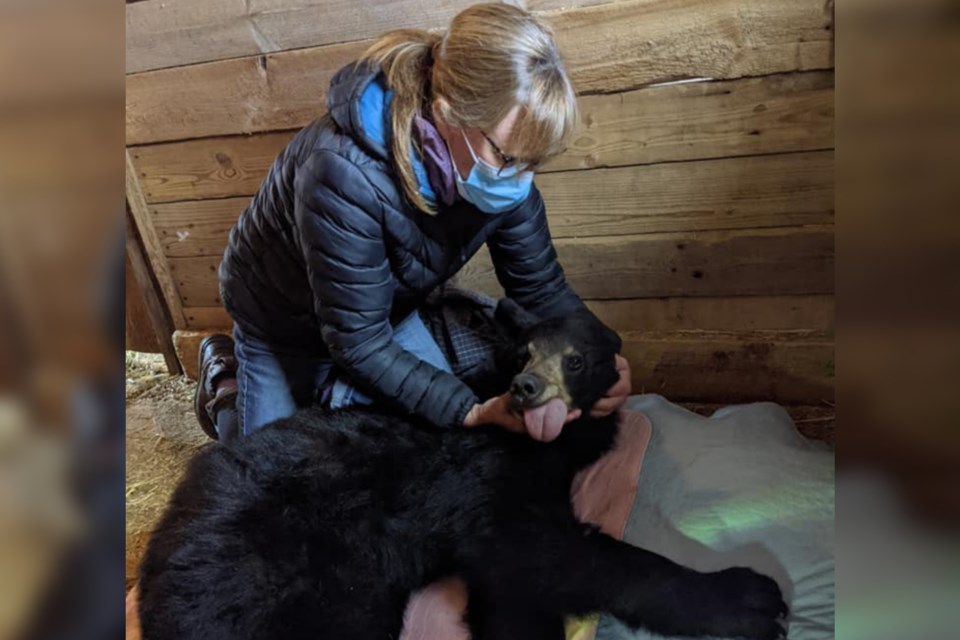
x=329 y=252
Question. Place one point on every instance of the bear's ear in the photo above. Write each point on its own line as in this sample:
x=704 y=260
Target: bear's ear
x=513 y=317
x=613 y=338
x=602 y=334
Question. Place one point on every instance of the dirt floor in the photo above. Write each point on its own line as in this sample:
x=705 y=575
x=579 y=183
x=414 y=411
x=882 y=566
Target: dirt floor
x=162 y=434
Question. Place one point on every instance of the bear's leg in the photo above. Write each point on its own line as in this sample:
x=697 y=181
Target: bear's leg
x=492 y=618
x=365 y=615
x=573 y=569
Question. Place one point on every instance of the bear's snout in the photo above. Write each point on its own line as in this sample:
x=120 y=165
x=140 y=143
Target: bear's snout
x=526 y=388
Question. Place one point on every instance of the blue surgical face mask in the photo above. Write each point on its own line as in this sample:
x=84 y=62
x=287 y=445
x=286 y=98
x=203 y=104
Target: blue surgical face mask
x=490 y=189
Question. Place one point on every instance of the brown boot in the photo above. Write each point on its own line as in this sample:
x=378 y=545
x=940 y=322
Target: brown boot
x=217 y=363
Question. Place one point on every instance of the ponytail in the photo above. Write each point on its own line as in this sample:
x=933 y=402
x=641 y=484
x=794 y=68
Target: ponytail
x=405 y=56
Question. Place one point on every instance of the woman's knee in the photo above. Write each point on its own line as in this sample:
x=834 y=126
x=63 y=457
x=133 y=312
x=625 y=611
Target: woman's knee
x=262 y=397
x=264 y=392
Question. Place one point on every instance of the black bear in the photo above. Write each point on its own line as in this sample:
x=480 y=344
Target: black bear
x=323 y=524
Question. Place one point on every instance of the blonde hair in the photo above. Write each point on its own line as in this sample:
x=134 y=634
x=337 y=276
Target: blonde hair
x=492 y=58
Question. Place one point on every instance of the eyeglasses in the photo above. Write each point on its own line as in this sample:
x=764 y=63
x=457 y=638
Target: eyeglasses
x=505 y=160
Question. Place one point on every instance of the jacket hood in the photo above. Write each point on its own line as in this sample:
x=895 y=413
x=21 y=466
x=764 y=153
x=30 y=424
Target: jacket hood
x=359 y=102
x=343 y=103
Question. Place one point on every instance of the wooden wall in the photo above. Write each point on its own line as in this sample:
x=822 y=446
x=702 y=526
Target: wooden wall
x=695 y=217
x=140 y=333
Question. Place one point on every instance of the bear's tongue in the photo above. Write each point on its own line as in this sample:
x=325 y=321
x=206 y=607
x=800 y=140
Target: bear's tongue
x=545 y=422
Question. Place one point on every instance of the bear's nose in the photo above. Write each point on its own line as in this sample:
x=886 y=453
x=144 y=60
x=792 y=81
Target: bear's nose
x=526 y=387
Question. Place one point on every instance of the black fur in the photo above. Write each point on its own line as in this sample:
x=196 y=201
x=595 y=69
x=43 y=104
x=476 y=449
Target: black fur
x=320 y=526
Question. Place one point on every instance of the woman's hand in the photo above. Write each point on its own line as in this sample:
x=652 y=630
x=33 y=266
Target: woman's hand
x=496 y=410
x=617 y=394
x=543 y=423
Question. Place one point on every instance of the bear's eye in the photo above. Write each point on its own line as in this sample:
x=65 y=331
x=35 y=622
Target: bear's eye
x=522 y=354
x=575 y=363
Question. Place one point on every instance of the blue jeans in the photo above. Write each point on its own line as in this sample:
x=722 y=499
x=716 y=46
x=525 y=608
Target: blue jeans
x=274 y=382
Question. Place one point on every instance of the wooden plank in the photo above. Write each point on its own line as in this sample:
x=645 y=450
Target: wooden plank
x=787 y=261
x=739 y=313
x=703 y=366
x=207 y=168
x=208 y=318
x=145 y=282
x=187 y=344
x=735 y=193
x=196 y=228
x=740 y=193
x=659 y=314
x=749 y=116
x=151 y=244
x=604 y=49
x=171 y=33
x=615 y=46
x=139 y=334
x=197 y=280
x=260 y=93
x=168 y=33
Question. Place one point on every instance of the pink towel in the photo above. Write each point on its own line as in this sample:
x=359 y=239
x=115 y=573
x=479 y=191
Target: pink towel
x=602 y=494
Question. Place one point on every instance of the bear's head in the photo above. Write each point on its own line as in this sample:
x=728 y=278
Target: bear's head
x=570 y=357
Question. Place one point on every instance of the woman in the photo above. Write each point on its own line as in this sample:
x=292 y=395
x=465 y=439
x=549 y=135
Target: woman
x=428 y=151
